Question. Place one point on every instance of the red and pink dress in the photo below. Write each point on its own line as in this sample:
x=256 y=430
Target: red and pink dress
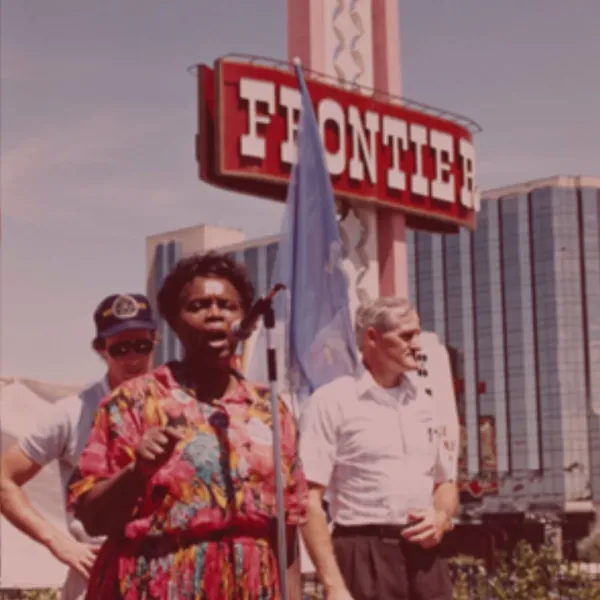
x=204 y=528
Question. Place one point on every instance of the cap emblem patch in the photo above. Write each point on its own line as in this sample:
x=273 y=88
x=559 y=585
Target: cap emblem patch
x=125 y=307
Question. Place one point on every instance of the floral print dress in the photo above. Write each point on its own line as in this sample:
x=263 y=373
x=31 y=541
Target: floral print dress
x=204 y=528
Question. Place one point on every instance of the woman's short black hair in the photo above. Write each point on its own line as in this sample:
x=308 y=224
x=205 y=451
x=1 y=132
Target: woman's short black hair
x=211 y=264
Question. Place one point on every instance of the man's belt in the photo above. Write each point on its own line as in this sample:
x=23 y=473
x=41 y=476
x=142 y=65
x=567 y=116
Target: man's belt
x=384 y=532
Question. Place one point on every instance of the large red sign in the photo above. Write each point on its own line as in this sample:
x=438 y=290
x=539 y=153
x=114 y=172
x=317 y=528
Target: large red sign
x=376 y=152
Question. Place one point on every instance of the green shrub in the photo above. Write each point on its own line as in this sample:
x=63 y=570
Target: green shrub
x=41 y=594
x=528 y=575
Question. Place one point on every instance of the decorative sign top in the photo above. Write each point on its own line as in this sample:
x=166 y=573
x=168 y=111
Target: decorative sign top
x=376 y=152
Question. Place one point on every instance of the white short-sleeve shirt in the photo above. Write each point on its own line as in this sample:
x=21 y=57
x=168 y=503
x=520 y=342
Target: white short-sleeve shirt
x=379 y=451
x=61 y=435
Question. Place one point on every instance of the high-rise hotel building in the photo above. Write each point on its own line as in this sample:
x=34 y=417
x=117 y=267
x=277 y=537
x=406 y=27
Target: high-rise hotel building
x=519 y=301
x=518 y=304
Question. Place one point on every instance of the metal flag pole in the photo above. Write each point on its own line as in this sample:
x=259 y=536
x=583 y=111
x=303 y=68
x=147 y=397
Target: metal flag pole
x=269 y=321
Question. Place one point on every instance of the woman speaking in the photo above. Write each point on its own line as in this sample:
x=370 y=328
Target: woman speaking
x=178 y=471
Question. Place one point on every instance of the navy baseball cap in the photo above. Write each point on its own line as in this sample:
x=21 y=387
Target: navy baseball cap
x=119 y=313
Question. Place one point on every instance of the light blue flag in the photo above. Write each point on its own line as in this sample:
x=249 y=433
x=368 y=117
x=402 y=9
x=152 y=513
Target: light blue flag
x=320 y=344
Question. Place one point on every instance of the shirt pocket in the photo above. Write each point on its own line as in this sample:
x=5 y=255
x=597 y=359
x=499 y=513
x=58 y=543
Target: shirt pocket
x=422 y=439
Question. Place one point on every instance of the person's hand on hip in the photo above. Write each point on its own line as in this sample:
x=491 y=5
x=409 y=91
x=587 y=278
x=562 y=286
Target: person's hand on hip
x=429 y=527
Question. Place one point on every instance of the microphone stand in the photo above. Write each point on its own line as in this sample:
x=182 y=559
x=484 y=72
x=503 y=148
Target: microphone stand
x=269 y=321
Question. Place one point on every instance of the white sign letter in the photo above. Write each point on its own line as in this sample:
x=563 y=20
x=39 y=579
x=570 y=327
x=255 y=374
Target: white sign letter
x=395 y=134
x=292 y=102
x=329 y=110
x=369 y=152
x=469 y=194
x=442 y=186
x=256 y=92
x=418 y=136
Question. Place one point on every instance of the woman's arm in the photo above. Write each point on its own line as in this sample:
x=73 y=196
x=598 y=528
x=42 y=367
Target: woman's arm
x=113 y=471
x=294 y=574
x=108 y=505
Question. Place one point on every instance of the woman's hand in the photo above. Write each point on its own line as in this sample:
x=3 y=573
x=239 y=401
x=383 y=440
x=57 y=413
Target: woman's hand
x=108 y=506
x=155 y=448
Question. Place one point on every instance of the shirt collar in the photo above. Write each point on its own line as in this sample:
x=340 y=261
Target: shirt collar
x=244 y=392
x=248 y=393
x=366 y=384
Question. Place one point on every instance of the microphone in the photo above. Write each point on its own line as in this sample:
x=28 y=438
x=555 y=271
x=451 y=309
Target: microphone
x=243 y=328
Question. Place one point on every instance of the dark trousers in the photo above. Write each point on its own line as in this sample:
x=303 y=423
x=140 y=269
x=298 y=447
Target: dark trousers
x=378 y=568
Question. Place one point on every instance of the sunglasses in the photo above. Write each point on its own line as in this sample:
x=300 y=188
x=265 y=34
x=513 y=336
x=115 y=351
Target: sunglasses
x=121 y=349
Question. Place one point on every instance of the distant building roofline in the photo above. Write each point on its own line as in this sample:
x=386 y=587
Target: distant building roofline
x=176 y=233
x=253 y=243
x=564 y=181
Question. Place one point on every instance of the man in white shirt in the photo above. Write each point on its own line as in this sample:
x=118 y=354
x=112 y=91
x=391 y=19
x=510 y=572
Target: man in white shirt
x=375 y=442
x=125 y=339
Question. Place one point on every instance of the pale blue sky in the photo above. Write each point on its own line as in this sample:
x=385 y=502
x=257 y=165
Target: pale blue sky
x=98 y=122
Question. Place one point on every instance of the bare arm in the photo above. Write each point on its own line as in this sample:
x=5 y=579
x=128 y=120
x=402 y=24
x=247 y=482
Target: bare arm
x=432 y=524
x=15 y=471
x=294 y=581
x=106 y=508
x=318 y=542
x=445 y=499
x=294 y=574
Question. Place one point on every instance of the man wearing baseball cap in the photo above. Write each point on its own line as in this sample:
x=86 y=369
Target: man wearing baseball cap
x=125 y=338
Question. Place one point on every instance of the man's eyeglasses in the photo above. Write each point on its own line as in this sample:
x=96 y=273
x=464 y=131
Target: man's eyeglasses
x=120 y=349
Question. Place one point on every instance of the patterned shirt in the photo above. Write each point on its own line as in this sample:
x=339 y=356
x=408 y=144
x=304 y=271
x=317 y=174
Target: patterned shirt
x=204 y=527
